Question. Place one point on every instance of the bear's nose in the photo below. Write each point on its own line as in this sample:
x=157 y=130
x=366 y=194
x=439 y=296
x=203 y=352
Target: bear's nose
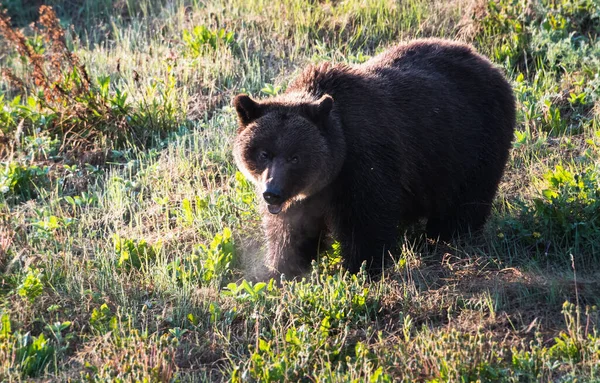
x=272 y=198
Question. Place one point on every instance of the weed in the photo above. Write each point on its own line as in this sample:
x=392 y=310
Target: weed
x=206 y=264
x=200 y=38
x=567 y=210
x=271 y=90
x=67 y=103
x=134 y=254
x=32 y=286
x=247 y=291
x=102 y=320
x=20 y=182
x=30 y=355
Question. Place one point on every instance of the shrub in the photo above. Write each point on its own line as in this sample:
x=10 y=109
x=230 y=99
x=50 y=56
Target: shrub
x=65 y=101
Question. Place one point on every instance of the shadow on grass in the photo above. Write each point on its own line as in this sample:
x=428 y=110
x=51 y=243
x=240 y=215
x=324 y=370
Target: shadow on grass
x=496 y=284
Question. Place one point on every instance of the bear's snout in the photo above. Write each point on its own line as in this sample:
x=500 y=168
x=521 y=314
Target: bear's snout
x=274 y=200
x=272 y=197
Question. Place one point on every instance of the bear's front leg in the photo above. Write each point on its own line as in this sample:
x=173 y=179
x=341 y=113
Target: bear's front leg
x=364 y=242
x=293 y=240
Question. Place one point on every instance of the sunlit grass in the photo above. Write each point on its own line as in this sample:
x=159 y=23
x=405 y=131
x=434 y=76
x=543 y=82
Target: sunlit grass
x=123 y=258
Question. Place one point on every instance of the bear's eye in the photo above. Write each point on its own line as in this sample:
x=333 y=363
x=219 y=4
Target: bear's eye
x=294 y=159
x=264 y=155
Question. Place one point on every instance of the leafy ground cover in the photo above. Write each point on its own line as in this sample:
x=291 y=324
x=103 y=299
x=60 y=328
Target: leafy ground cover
x=125 y=229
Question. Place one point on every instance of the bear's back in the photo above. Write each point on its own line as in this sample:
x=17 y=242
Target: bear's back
x=431 y=114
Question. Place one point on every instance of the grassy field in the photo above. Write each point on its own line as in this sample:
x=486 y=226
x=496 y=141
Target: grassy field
x=126 y=231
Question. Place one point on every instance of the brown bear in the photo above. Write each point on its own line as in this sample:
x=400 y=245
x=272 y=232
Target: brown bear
x=421 y=131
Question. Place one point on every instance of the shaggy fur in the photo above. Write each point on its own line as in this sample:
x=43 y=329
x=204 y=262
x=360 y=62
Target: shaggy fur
x=422 y=130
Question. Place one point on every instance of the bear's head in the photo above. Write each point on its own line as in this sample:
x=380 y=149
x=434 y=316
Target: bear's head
x=290 y=148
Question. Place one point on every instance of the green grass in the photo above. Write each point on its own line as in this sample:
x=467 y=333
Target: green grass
x=125 y=229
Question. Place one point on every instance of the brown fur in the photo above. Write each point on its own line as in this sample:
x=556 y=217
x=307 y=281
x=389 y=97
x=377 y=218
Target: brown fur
x=422 y=130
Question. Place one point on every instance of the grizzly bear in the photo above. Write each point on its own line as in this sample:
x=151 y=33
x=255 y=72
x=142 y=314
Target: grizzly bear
x=419 y=132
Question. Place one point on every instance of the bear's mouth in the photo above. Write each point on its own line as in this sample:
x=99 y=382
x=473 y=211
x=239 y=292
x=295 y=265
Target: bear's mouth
x=275 y=209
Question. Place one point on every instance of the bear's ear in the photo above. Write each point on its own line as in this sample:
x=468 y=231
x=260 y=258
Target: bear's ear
x=319 y=110
x=247 y=109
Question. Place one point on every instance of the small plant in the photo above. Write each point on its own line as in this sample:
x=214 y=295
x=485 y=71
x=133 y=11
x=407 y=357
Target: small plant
x=83 y=200
x=192 y=209
x=57 y=330
x=19 y=182
x=569 y=206
x=201 y=39
x=32 y=286
x=247 y=291
x=565 y=215
x=554 y=123
x=577 y=98
x=244 y=192
x=217 y=258
x=271 y=90
x=40 y=147
x=102 y=319
x=331 y=261
x=358 y=58
x=134 y=254
x=31 y=355
x=50 y=223
x=338 y=299
x=578 y=344
x=62 y=338
x=264 y=363
x=206 y=264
